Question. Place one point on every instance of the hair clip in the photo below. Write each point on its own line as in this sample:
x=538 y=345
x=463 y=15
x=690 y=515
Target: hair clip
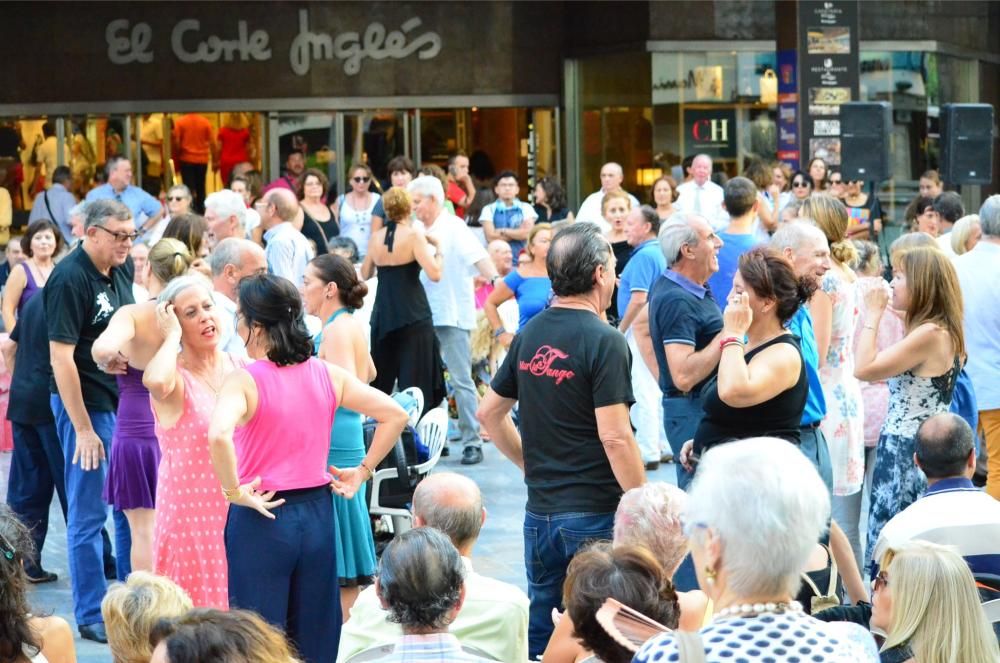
x=7 y=549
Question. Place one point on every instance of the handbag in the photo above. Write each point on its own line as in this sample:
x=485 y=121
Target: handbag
x=690 y=647
x=820 y=601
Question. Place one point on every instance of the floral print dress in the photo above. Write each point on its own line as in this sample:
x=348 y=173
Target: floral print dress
x=843 y=425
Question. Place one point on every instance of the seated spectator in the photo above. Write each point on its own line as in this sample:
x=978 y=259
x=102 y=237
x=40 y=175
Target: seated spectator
x=629 y=574
x=132 y=608
x=751 y=573
x=207 y=634
x=952 y=510
x=22 y=636
x=494 y=616
x=420 y=583
x=925 y=601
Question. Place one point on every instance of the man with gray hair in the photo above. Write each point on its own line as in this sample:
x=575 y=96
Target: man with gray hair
x=225 y=214
x=612 y=177
x=494 y=617
x=453 y=301
x=83 y=292
x=119 y=187
x=806 y=248
x=421 y=584
x=288 y=251
x=978 y=272
x=684 y=325
x=570 y=371
x=233 y=260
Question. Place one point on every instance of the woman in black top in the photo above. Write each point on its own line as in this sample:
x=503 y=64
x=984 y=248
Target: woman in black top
x=761 y=387
x=550 y=201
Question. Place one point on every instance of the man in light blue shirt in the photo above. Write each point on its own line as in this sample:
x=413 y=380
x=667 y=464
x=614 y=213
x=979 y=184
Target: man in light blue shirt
x=146 y=210
x=55 y=203
x=806 y=248
x=287 y=250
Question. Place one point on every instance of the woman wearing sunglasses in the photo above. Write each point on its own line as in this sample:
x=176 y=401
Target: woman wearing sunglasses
x=801 y=185
x=353 y=210
x=925 y=600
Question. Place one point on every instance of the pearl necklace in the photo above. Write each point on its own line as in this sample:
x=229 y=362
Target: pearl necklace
x=754 y=609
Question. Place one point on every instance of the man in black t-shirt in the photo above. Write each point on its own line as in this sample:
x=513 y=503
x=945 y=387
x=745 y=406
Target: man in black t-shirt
x=570 y=371
x=81 y=295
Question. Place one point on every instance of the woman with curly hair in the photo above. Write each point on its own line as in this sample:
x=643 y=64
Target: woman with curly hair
x=550 y=201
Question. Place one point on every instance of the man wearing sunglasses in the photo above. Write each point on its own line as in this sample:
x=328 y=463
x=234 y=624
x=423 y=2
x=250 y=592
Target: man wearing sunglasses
x=83 y=292
x=145 y=208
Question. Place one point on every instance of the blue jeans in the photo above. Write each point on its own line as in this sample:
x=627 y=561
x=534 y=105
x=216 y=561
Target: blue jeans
x=812 y=443
x=550 y=541
x=681 y=416
x=86 y=514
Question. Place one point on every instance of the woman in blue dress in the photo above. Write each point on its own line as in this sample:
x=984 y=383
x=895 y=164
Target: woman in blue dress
x=529 y=284
x=332 y=290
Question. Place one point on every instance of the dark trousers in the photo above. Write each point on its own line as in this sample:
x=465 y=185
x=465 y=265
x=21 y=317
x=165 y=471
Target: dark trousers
x=286 y=569
x=193 y=175
x=36 y=471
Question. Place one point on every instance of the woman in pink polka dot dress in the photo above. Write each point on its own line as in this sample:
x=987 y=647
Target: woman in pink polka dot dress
x=191 y=512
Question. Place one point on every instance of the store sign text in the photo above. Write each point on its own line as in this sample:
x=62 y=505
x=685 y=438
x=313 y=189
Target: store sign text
x=128 y=43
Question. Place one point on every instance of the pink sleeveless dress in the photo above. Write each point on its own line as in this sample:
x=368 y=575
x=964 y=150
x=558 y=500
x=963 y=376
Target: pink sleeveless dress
x=191 y=512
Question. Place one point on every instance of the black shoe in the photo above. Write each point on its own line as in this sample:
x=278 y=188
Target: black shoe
x=652 y=465
x=39 y=576
x=94 y=632
x=472 y=456
x=445 y=451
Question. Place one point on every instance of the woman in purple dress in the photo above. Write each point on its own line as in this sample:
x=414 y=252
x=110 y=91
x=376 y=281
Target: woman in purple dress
x=126 y=346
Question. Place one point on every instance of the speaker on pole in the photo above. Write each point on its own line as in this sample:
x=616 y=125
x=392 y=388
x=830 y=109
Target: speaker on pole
x=865 y=128
x=967 y=143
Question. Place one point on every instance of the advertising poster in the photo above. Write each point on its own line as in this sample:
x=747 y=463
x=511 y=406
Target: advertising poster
x=788 y=108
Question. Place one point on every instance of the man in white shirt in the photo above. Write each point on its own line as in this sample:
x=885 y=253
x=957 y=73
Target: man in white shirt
x=494 y=617
x=233 y=259
x=612 y=177
x=288 y=251
x=452 y=301
x=701 y=195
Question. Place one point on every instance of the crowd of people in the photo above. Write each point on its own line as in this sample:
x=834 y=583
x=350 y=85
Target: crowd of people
x=205 y=380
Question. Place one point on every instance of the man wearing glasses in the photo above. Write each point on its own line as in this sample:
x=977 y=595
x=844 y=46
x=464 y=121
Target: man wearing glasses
x=83 y=292
x=119 y=187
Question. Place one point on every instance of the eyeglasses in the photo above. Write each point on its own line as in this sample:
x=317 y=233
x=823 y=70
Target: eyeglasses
x=361 y=180
x=799 y=183
x=881 y=581
x=121 y=237
x=836 y=181
x=176 y=198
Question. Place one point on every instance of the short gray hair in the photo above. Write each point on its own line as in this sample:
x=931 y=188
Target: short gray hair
x=989 y=216
x=229 y=252
x=182 y=283
x=183 y=188
x=226 y=203
x=112 y=163
x=650 y=516
x=80 y=210
x=452 y=504
x=98 y=212
x=793 y=235
x=675 y=234
x=771 y=484
x=426 y=185
x=420 y=579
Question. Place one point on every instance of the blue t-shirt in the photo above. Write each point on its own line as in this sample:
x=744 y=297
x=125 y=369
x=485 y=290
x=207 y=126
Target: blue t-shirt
x=680 y=311
x=644 y=265
x=532 y=295
x=134 y=198
x=733 y=246
x=801 y=325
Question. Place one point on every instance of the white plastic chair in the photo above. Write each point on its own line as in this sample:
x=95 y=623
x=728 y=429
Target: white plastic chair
x=416 y=394
x=433 y=431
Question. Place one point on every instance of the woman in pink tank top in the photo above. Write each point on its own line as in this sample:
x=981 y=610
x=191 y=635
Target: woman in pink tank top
x=269 y=439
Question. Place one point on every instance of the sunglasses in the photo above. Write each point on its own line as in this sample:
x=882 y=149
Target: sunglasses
x=176 y=198
x=361 y=180
x=881 y=581
x=799 y=183
x=836 y=181
x=121 y=237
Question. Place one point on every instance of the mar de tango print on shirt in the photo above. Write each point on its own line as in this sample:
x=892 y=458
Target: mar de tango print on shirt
x=541 y=364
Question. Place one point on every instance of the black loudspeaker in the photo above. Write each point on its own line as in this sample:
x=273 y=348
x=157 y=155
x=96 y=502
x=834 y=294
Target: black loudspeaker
x=865 y=128
x=967 y=143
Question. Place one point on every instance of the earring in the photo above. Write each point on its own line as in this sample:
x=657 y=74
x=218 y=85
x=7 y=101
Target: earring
x=710 y=574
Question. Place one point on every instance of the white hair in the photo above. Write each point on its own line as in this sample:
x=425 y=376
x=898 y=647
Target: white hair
x=427 y=185
x=226 y=203
x=795 y=234
x=768 y=506
x=230 y=251
x=182 y=283
x=675 y=234
x=650 y=516
x=989 y=216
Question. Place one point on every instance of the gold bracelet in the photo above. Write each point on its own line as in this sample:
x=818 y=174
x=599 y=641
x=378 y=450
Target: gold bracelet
x=370 y=473
x=232 y=494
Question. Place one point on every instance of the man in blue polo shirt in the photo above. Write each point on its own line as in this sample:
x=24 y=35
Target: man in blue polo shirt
x=685 y=324
x=642 y=226
x=508 y=218
x=806 y=248
x=145 y=209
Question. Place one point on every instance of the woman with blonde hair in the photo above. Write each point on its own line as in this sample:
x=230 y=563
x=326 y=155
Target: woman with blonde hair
x=834 y=310
x=615 y=207
x=131 y=610
x=529 y=284
x=926 y=602
x=921 y=370
x=965 y=234
x=124 y=349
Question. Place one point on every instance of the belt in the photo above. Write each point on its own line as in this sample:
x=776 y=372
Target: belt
x=812 y=426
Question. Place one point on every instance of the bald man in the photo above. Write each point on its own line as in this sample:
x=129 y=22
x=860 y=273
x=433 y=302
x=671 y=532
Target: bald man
x=494 y=617
x=612 y=177
x=701 y=196
x=288 y=251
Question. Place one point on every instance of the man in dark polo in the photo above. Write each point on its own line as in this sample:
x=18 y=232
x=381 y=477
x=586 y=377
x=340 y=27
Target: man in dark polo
x=81 y=295
x=570 y=371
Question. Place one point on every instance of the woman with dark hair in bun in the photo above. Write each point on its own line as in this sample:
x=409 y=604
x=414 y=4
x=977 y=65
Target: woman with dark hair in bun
x=761 y=387
x=269 y=440
x=332 y=291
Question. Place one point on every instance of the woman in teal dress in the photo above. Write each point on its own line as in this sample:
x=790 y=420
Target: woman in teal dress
x=331 y=290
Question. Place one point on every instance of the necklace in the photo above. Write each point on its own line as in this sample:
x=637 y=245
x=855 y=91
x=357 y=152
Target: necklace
x=215 y=390
x=755 y=609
